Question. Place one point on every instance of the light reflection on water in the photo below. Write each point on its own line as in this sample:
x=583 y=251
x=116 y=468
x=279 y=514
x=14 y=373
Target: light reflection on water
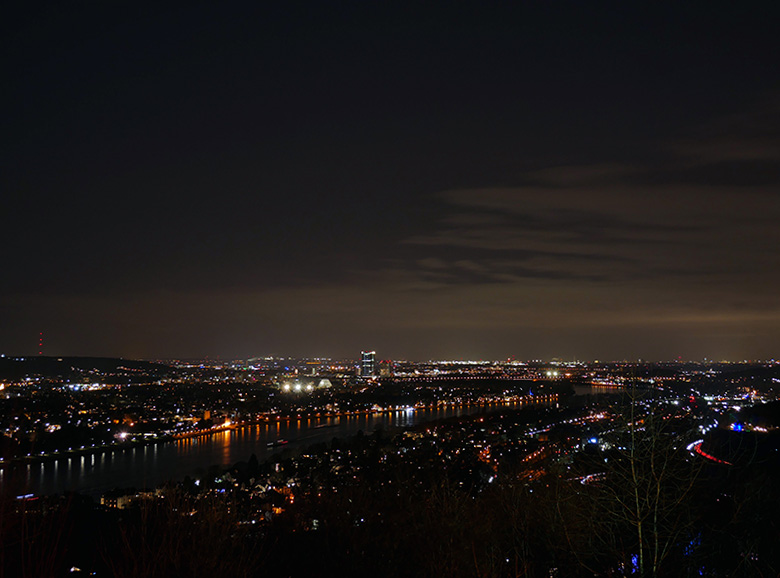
x=594 y=390
x=147 y=466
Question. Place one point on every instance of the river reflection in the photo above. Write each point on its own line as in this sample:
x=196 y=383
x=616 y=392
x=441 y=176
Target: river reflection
x=149 y=466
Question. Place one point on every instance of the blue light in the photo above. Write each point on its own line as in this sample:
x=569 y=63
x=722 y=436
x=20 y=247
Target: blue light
x=693 y=544
x=593 y=440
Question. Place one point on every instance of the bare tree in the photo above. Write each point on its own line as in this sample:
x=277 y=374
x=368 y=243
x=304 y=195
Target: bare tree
x=32 y=536
x=181 y=536
x=638 y=513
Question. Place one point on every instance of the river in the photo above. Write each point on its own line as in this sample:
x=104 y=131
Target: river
x=153 y=464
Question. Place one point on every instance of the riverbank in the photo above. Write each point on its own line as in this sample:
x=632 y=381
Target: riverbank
x=261 y=419
x=148 y=463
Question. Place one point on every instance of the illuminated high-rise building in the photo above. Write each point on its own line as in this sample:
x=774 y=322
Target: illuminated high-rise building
x=385 y=368
x=367 y=363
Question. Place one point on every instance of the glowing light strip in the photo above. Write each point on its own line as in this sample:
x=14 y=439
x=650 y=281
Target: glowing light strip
x=696 y=447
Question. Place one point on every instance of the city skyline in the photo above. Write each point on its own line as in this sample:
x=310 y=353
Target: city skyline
x=537 y=181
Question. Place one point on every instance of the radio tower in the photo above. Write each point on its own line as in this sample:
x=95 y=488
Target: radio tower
x=40 y=343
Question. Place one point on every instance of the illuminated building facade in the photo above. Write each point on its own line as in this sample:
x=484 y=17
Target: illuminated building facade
x=367 y=363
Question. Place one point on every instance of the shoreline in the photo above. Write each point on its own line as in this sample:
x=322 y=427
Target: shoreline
x=260 y=420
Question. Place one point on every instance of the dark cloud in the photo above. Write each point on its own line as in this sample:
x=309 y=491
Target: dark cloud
x=530 y=180
x=749 y=135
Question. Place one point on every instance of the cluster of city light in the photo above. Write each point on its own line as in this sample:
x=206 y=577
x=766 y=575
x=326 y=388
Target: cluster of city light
x=297 y=387
x=86 y=386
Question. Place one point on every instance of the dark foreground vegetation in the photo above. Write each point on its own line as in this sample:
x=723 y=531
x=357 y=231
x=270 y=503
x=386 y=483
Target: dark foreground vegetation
x=425 y=503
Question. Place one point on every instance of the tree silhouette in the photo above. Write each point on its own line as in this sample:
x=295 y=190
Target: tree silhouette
x=639 y=511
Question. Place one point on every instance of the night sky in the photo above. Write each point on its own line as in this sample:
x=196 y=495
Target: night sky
x=459 y=180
